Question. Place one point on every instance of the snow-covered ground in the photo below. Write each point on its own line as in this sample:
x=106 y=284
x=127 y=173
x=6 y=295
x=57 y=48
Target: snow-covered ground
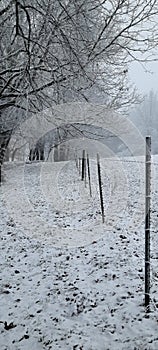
x=67 y=281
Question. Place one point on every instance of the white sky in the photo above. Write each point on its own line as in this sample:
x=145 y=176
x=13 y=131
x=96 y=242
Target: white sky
x=145 y=78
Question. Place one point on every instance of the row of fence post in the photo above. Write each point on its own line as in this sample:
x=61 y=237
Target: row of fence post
x=83 y=165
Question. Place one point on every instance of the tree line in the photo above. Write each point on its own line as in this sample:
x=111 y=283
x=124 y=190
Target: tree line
x=69 y=50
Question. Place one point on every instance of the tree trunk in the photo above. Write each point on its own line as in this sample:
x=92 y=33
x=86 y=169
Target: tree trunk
x=7 y=155
x=56 y=153
x=4 y=141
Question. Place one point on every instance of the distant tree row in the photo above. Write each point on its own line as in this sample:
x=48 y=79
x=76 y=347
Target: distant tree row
x=145 y=117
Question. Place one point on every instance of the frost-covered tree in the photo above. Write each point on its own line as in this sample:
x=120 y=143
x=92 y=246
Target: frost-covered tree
x=66 y=50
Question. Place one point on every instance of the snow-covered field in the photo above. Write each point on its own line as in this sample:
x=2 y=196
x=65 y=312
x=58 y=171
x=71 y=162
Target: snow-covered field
x=67 y=281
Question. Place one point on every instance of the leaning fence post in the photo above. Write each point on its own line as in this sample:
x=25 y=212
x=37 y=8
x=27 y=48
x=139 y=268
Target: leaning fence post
x=85 y=172
x=89 y=175
x=79 y=165
x=100 y=187
x=76 y=161
x=147 y=219
x=83 y=165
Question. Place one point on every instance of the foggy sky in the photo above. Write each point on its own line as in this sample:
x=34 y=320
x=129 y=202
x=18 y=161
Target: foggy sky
x=144 y=80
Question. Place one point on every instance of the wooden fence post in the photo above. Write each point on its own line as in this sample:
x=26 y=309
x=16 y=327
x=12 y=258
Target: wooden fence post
x=76 y=162
x=100 y=187
x=89 y=175
x=83 y=165
x=85 y=172
x=79 y=165
x=147 y=219
x=76 y=159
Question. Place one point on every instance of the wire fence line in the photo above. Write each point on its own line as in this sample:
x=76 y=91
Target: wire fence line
x=147 y=162
x=129 y=161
